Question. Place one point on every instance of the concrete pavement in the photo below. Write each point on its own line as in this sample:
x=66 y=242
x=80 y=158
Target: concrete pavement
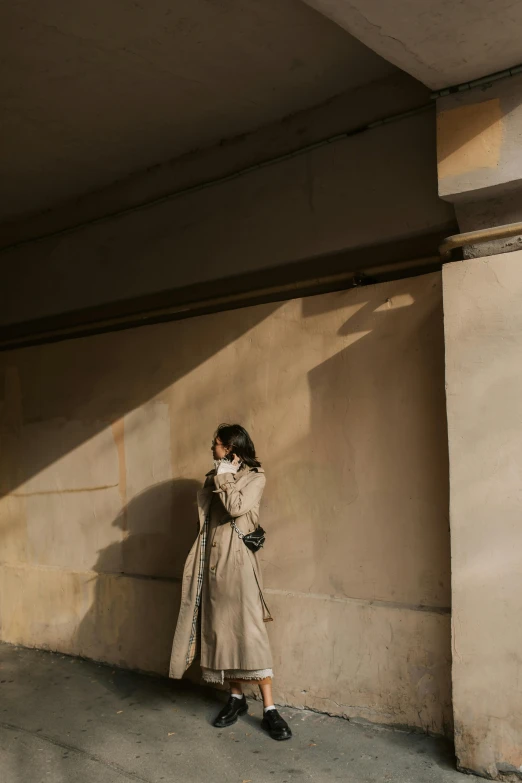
x=67 y=720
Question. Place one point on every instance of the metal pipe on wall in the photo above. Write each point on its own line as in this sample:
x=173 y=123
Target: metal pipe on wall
x=478 y=237
x=307 y=287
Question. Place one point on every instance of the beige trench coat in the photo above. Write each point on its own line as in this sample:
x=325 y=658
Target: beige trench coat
x=233 y=633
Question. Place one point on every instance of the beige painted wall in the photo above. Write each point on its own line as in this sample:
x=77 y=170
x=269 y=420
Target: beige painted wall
x=106 y=439
x=483 y=328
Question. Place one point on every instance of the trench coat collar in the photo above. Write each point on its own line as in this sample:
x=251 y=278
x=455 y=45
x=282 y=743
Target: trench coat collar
x=241 y=470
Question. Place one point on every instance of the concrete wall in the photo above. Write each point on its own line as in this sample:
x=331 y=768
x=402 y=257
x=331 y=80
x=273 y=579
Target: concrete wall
x=116 y=91
x=483 y=328
x=478 y=142
x=369 y=189
x=438 y=43
x=106 y=439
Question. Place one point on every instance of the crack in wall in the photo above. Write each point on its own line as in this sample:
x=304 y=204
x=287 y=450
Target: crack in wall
x=62 y=491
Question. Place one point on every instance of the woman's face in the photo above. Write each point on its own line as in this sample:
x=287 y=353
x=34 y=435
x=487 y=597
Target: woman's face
x=219 y=451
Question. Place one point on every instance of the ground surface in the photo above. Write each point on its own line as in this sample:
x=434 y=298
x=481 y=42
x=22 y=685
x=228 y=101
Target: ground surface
x=63 y=720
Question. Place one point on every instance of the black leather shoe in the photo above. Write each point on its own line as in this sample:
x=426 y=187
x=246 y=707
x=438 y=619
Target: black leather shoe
x=276 y=726
x=230 y=712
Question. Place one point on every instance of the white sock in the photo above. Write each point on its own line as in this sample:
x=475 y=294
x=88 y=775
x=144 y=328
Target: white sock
x=237 y=695
x=270 y=707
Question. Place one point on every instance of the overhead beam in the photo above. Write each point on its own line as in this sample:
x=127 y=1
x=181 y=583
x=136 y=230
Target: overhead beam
x=439 y=42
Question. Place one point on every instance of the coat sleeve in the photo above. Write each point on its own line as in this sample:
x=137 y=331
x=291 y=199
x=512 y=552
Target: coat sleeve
x=239 y=501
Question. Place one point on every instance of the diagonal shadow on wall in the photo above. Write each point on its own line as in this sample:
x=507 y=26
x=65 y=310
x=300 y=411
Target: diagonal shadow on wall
x=123 y=370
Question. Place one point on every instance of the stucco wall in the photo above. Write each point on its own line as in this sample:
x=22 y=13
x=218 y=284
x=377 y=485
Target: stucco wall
x=483 y=328
x=106 y=439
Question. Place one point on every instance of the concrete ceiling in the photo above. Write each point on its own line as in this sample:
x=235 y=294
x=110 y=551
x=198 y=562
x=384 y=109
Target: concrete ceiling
x=95 y=91
x=439 y=42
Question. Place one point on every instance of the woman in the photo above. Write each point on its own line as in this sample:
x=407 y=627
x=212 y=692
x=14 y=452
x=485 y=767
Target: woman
x=223 y=615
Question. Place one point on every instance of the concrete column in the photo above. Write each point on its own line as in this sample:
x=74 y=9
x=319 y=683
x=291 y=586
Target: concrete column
x=480 y=171
x=479 y=156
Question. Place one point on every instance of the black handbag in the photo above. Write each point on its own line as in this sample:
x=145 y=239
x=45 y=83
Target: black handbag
x=254 y=541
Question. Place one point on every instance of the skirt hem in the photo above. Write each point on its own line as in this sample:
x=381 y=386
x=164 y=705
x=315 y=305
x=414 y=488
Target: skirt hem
x=218 y=676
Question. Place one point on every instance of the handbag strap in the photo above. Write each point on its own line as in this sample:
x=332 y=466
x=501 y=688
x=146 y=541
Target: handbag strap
x=268 y=618
x=238 y=531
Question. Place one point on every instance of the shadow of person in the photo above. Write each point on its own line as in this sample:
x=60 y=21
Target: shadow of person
x=136 y=591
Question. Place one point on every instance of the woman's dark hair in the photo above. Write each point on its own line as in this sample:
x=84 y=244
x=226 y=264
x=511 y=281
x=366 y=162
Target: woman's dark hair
x=236 y=436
